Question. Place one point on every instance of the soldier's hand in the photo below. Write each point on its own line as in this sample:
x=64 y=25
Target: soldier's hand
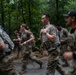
x=44 y=30
x=19 y=39
x=68 y=55
x=2 y=44
x=41 y=30
x=14 y=39
x=21 y=44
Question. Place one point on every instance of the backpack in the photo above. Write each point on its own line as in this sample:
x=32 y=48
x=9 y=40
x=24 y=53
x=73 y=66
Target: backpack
x=6 y=39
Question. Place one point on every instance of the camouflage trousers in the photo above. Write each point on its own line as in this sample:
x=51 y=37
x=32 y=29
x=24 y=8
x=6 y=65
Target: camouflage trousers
x=6 y=66
x=28 y=54
x=63 y=49
x=72 y=67
x=72 y=72
x=53 y=63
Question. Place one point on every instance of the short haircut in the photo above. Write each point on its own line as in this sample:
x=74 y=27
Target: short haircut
x=47 y=15
x=25 y=26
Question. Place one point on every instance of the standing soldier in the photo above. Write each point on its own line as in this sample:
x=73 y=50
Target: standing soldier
x=71 y=20
x=50 y=40
x=27 y=39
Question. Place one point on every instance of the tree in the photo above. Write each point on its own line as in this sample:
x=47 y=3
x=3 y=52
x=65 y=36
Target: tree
x=2 y=13
x=71 y=5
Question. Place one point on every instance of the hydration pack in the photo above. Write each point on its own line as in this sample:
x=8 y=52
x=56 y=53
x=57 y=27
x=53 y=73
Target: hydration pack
x=7 y=40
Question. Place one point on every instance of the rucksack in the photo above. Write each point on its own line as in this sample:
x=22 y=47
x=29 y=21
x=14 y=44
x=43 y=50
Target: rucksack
x=7 y=40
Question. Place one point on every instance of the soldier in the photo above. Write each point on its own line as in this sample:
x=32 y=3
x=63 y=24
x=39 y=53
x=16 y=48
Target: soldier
x=27 y=39
x=63 y=34
x=71 y=21
x=17 y=47
x=50 y=40
x=6 y=65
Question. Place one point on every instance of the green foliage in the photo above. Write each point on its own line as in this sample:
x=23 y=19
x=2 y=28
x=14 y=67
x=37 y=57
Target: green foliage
x=71 y=5
x=17 y=12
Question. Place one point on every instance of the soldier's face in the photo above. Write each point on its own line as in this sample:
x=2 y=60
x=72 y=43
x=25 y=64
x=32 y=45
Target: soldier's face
x=44 y=20
x=21 y=29
x=68 y=20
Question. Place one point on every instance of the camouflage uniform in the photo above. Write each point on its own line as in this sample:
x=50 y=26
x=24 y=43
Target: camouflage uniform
x=63 y=34
x=53 y=50
x=72 y=44
x=27 y=50
x=6 y=66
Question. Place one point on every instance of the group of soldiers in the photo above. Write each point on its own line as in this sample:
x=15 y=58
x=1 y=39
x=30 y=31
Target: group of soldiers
x=56 y=40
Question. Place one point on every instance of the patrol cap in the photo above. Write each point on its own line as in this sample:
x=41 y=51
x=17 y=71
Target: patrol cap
x=71 y=14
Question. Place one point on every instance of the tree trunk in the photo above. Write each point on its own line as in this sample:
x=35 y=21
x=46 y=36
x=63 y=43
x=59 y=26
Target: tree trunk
x=57 y=12
x=22 y=11
x=9 y=22
x=2 y=14
x=29 y=2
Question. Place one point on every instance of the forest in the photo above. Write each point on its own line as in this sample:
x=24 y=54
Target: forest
x=15 y=12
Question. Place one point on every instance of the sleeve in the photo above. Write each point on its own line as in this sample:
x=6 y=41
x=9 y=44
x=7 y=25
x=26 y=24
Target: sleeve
x=53 y=31
x=71 y=40
x=29 y=33
x=65 y=32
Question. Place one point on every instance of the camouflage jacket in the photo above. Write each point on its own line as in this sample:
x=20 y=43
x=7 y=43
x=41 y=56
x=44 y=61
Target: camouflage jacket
x=72 y=40
x=47 y=43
